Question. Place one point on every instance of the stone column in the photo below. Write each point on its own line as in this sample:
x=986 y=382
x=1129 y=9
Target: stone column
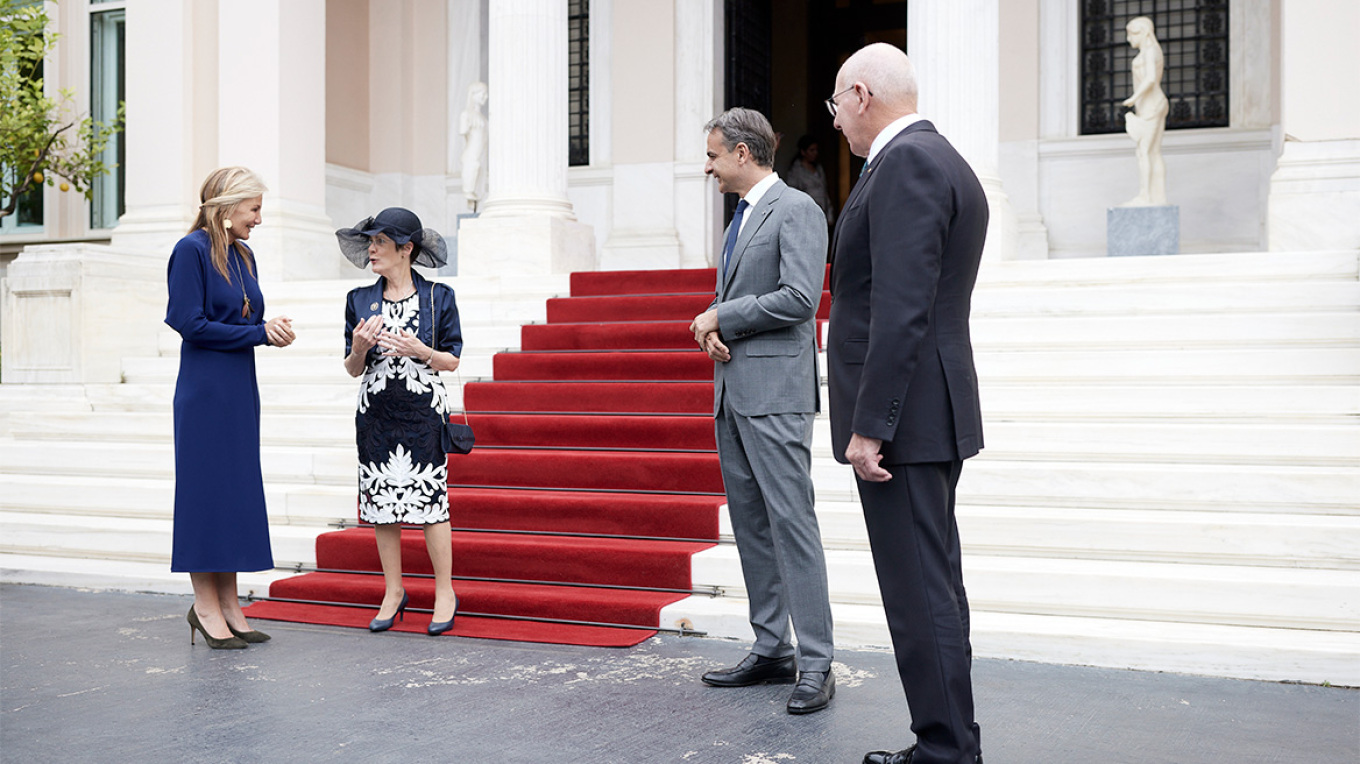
x=272 y=118
x=1315 y=191
x=955 y=45
x=163 y=128
x=527 y=225
x=643 y=232
x=698 y=98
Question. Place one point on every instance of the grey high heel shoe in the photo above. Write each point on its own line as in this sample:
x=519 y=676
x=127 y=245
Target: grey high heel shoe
x=252 y=636
x=230 y=643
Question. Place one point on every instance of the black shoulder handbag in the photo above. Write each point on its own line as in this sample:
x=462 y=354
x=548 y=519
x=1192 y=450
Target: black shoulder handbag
x=454 y=437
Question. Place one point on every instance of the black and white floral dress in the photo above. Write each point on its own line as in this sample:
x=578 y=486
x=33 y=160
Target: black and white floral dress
x=403 y=471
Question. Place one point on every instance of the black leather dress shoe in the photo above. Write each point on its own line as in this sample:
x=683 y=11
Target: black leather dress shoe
x=754 y=669
x=898 y=757
x=814 y=692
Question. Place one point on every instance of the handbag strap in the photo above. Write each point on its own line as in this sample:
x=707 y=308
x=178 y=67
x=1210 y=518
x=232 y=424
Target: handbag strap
x=434 y=345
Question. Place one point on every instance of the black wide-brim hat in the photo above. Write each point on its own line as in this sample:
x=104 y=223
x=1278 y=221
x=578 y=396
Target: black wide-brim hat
x=401 y=225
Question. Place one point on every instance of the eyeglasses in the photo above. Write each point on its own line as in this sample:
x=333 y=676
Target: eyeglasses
x=831 y=102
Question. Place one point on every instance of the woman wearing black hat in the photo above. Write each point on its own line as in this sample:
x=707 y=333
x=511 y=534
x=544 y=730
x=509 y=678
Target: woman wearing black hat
x=399 y=333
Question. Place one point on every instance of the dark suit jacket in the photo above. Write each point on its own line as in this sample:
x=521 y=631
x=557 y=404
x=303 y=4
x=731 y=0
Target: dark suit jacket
x=906 y=254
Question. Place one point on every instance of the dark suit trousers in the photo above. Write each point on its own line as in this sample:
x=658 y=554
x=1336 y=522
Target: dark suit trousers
x=766 y=465
x=915 y=542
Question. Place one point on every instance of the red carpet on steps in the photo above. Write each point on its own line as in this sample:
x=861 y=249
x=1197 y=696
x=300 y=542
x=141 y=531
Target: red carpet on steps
x=594 y=480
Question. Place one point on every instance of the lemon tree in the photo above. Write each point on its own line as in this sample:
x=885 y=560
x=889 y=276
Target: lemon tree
x=42 y=139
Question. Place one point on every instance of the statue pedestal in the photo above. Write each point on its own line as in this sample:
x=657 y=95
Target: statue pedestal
x=524 y=245
x=451 y=267
x=1143 y=231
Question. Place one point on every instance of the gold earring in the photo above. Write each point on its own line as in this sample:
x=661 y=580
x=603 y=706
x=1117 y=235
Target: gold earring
x=226 y=223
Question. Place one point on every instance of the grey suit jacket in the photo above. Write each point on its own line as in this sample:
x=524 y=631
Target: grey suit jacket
x=767 y=305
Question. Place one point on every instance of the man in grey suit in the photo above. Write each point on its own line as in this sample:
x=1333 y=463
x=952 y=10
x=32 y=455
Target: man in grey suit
x=761 y=332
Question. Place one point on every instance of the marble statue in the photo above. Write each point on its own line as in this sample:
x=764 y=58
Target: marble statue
x=1147 y=121
x=472 y=126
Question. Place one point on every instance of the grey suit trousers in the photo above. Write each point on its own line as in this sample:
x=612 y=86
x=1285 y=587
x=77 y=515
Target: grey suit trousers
x=766 y=463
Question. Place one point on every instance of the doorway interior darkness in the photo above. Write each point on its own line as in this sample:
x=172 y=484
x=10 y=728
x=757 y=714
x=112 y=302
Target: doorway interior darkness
x=782 y=59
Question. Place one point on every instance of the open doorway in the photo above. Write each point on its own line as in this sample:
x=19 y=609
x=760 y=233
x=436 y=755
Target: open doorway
x=782 y=59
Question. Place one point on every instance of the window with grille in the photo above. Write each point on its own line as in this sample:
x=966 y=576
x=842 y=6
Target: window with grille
x=1194 y=39
x=578 y=82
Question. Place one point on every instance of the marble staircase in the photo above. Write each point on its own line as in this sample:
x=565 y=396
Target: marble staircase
x=1171 y=479
x=87 y=472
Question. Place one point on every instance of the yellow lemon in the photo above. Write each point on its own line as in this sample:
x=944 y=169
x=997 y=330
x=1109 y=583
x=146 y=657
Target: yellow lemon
x=65 y=187
x=37 y=177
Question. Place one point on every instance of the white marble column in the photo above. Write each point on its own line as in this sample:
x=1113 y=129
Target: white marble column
x=527 y=225
x=1314 y=199
x=955 y=45
x=163 y=129
x=698 y=98
x=272 y=118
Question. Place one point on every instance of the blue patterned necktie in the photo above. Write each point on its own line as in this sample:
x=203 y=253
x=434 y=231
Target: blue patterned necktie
x=732 y=232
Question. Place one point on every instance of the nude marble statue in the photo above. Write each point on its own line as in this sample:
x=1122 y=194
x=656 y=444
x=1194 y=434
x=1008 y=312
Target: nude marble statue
x=1146 y=123
x=472 y=126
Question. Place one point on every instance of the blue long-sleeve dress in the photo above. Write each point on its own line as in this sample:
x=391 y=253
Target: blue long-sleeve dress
x=220 y=520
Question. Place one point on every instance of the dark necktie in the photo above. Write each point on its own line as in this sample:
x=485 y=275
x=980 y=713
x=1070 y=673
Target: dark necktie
x=732 y=232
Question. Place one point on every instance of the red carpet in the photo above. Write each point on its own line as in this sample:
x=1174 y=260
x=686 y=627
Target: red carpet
x=594 y=480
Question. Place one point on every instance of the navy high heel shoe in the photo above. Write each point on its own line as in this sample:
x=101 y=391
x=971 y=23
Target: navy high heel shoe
x=435 y=629
x=383 y=624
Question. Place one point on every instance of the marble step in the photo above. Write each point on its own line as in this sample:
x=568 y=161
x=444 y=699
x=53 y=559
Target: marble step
x=1060 y=484
x=1118 y=366
x=509 y=309
x=1066 y=401
x=1169 y=441
x=1166 y=298
x=332 y=398
x=1175 y=592
x=1118 y=332
x=1063 y=401
x=128 y=539
x=1202 y=269
x=468 y=288
x=1172 y=366
x=1272 y=654
x=278 y=365
x=1135 y=485
x=1128 y=332
x=1249 y=442
x=1285 y=539
x=119 y=575
x=328 y=339
x=299 y=504
x=283 y=464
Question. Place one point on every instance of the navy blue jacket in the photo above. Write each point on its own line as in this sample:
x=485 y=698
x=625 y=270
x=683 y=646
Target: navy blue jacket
x=366 y=301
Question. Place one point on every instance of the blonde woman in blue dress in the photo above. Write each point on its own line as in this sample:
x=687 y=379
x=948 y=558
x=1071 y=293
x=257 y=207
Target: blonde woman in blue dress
x=221 y=526
x=400 y=332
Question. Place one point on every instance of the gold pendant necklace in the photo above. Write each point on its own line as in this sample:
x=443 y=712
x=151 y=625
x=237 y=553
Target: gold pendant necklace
x=245 y=298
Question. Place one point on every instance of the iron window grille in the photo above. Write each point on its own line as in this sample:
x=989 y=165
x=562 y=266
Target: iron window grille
x=1194 y=39
x=578 y=82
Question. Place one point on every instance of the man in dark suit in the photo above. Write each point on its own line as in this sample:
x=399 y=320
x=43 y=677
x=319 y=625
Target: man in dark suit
x=760 y=330
x=904 y=395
